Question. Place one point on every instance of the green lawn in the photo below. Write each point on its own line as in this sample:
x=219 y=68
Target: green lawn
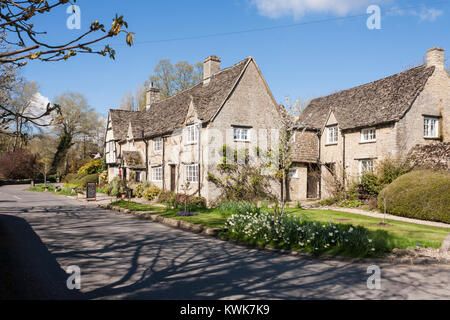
x=401 y=234
x=51 y=189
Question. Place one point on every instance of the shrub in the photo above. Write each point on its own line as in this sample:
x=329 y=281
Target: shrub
x=20 y=164
x=81 y=180
x=94 y=166
x=140 y=187
x=294 y=232
x=104 y=177
x=151 y=193
x=420 y=194
x=167 y=197
x=117 y=187
x=350 y=203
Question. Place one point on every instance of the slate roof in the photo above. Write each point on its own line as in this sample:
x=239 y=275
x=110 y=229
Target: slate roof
x=377 y=102
x=170 y=114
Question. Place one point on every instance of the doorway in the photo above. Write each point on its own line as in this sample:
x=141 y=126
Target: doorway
x=172 y=177
x=313 y=181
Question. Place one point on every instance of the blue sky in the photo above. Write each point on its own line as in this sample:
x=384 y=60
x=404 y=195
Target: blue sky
x=303 y=61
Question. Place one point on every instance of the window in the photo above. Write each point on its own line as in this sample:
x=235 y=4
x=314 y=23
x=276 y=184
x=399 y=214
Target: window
x=241 y=134
x=192 y=133
x=365 y=166
x=368 y=135
x=192 y=172
x=157 y=174
x=431 y=127
x=157 y=145
x=332 y=135
x=293 y=173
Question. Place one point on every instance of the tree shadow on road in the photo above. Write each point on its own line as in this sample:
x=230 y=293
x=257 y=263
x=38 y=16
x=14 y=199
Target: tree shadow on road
x=123 y=257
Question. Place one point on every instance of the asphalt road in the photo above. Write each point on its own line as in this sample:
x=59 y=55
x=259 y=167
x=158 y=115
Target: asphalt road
x=122 y=257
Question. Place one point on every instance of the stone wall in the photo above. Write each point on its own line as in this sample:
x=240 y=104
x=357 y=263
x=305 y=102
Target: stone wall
x=431 y=156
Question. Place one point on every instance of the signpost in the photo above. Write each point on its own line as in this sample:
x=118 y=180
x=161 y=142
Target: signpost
x=91 y=191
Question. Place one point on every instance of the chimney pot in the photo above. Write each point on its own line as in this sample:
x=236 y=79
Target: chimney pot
x=152 y=95
x=435 y=57
x=211 y=65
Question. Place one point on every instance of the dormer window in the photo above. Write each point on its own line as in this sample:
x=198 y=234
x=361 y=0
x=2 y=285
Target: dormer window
x=369 y=135
x=332 y=135
x=157 y=145
x=192 y=133
x=431 y=127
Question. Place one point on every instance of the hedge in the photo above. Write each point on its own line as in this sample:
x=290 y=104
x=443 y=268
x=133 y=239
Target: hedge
x=421 y=194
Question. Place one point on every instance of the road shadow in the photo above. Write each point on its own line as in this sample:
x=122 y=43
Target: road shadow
x=123 y=257
x=28 y=269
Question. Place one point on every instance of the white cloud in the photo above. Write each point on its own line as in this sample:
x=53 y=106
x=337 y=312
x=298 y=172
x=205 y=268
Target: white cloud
x=425 y=14
x=429 y=14
x=298 y=8
x=37 y=107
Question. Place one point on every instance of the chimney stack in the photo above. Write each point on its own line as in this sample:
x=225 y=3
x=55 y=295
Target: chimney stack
x=211 y=65
x=152 y=95
x=435 y=57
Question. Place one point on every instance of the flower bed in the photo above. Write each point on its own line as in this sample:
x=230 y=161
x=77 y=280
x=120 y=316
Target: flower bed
x=296 y=233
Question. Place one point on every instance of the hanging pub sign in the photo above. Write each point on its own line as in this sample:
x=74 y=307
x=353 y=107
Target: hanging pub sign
x=91 y=191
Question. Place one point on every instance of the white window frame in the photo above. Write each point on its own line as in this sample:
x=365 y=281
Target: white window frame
x=157 y=145
x=332 y=135
x=293 y=173
x=369 y=135
x=192 y=172
x=192 y=133
x=363 y=168
x=431 y=127
x=241 y=134
x=157 y=173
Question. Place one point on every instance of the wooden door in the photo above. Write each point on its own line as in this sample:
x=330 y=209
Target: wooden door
x=313 y=181
x=172 y=178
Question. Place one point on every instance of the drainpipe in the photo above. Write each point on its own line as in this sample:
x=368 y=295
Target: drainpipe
x=146 y=155
x=163 y=163
x=343 y=160
x=199 y=159
x=320 y=163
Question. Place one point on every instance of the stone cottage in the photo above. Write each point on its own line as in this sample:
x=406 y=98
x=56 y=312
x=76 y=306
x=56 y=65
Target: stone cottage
x=175 y=142
x=341 y=136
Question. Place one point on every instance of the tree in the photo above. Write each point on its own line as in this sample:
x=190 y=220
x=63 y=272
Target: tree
x=127 y=102
x=25 y=42
x=44 y=165
x=164 y=78
x=171 y=79
x=23 y=105
x=21 y=41
x=76 y=120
